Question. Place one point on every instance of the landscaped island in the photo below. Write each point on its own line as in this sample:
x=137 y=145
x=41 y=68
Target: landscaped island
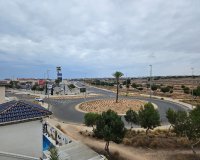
x=123 y=105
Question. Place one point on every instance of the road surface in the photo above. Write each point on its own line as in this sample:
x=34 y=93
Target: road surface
x=65 y=111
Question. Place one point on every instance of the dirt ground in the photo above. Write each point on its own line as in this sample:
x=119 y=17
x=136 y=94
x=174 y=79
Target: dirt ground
x=129 y=153
x=123 y=105
x=74 y=96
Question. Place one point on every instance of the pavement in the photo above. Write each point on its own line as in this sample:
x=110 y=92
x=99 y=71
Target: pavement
x=171 y=100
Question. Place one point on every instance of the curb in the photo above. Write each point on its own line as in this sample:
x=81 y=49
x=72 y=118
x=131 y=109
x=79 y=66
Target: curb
x=80 y=110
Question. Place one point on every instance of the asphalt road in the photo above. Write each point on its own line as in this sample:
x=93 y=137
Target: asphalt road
x=65 y=111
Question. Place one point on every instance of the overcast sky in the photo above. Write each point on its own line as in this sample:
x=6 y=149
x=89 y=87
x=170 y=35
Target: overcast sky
x=94 y=38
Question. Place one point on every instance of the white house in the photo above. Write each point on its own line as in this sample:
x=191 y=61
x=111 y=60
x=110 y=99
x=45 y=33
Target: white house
x=21 y=130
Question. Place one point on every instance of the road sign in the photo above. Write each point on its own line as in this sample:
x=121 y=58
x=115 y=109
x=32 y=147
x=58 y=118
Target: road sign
x=49 y=86
x=82 y=90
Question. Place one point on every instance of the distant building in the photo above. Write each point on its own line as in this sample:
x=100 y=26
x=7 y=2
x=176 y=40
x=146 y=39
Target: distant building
x=2 y=92
x=41 y=82
x=21 y=130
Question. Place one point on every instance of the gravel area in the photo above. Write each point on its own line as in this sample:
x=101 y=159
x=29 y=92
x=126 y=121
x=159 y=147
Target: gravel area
x=121 y=107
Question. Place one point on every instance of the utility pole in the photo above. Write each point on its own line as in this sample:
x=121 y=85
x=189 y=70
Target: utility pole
x=192 y=85
x=126 y=85
x=150 y=79
x=48 y=86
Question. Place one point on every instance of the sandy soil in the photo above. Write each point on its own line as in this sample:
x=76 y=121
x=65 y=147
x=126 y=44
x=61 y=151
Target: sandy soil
x=78 y=96
x=121 y=107
x=130 y=153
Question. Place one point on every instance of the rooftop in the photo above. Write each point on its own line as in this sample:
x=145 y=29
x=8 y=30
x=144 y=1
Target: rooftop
x=18 y=111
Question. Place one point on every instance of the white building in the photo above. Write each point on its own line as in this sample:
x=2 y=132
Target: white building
x=21 y=130
x=2 y=93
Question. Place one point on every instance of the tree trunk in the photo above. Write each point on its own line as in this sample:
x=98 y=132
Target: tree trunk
x=107 y=147
x=194 y=152
x=117 y=91
x=169 y=128
x=192 y=147
x=131 y=126
x=147 y=131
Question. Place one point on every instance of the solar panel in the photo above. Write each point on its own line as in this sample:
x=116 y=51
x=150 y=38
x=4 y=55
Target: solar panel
x=21 y=110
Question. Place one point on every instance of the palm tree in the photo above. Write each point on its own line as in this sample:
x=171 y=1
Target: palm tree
x=117 y=75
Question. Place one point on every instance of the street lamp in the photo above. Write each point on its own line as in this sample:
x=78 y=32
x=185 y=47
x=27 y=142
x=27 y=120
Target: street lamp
x=150 y=79
x=48 y=86
x=192 y=85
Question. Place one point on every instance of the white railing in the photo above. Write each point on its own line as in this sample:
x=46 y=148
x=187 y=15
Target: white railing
x=56 y=135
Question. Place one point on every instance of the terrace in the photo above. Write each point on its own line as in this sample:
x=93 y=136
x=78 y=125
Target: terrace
x=68 y=149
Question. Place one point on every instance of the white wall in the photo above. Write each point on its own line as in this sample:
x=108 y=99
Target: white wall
x=61 y=137
x=22 y=138
x=2 y=94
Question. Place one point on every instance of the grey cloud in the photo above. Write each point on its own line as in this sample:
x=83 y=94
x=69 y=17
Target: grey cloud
x=104 y=34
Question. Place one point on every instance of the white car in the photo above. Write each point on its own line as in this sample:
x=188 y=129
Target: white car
x=39 y=99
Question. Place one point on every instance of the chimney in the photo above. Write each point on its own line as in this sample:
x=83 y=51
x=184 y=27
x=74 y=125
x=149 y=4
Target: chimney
x=2 y=93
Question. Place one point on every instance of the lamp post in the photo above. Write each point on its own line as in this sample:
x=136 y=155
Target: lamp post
x=48 y=86
x=192 y=85
x=150 y=79
x=126 y=85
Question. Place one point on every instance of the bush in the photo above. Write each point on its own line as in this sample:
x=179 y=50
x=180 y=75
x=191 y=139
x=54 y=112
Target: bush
x=182 y=86
x=91 y=118
x=186 y=90
x=127 y=141
x=196 y=91
x=181 y=156
x=71 y=86
x=110 y=127
x=134 y=85
x=165 y=89
x=155 y=144
x=154 y=87
x=58 y=126
x=156 y=139
x=140 y=88
x=112 y=156
x=131 y=117
x=149 y=117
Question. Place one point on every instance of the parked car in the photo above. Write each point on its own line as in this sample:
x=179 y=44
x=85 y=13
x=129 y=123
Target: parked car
x=39 y=99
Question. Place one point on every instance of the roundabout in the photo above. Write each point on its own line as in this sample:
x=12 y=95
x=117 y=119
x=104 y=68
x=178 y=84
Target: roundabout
x=65 y=110
x=102 y=105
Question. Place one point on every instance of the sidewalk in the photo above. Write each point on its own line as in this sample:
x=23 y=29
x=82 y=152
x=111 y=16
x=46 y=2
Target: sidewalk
x=69 y=96
x=158 y=97
x=171 y=100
